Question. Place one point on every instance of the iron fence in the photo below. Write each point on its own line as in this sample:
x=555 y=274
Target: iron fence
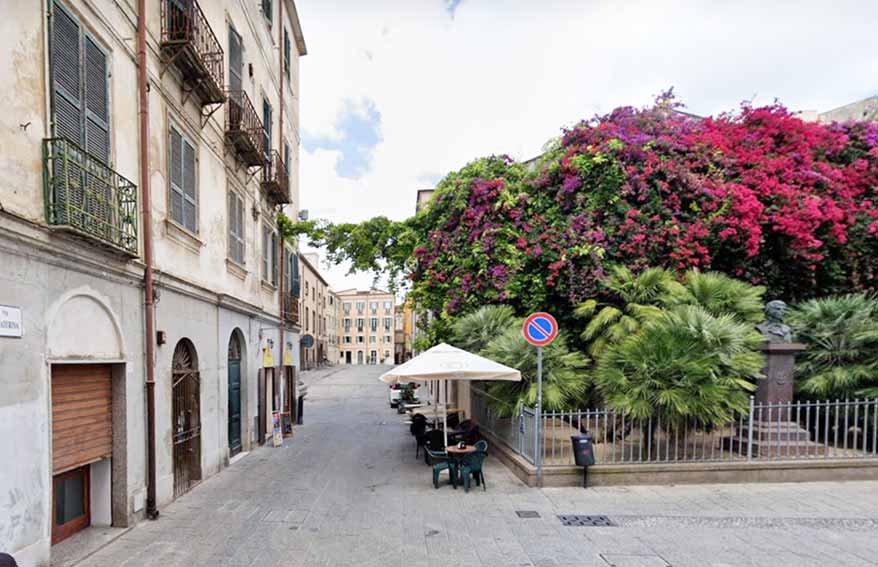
x=840 y=429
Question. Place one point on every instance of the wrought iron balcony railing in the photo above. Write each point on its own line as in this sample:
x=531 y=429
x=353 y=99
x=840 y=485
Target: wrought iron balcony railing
x=84 y=196
x=291 y=309
x=276 y=180
x=189 y=43
x=244 y=129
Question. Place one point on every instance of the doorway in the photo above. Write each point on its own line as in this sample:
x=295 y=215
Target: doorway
x=347 y=357
x=234 y=395
x=359 y=357
x=186 y=417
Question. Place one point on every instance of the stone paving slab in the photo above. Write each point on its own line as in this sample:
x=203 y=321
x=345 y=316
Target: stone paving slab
x=346 y=490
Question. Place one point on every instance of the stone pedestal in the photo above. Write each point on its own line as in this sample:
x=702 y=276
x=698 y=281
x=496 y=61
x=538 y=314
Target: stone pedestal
x=779 y=371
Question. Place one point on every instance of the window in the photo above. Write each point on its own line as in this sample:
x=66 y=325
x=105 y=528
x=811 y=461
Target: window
x=347 y=324
x=269 y=255
x=347 y=339
x=373 y=306
x=80 y=101
x=387 y=323
x=236 y=60
x=361 y=305
x=360 y=323
x=266 y=127
x=287 y=159
x=286 y=53
x=236 y=228
x=360 y=339
x=386 y=354
x=373 y=324
x=347 y=307
x=267 y=11
x=295 y=278
x=181 y=180
x=306 y=318
x=373 y=339
x=387 y=338
x=388 y=306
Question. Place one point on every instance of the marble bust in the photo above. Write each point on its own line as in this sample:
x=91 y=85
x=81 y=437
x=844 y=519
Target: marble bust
x=773 y=329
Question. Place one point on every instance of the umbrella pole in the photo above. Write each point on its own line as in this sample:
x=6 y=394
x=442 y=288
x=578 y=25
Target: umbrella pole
x=445 y=421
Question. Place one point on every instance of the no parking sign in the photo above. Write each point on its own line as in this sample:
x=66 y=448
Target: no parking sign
x=540 y=329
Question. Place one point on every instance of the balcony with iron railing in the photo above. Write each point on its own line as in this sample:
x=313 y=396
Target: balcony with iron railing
x=291 y=308
x=86 y=197
x=188 y=42
x=276 y=180
x=244 y=129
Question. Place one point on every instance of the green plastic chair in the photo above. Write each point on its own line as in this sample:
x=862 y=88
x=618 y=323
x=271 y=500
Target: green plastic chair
x=440 y=463
x=471 y=466
x=482 y=445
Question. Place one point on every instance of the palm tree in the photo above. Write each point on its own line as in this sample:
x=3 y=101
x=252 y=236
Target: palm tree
x=686 y=365
x=637 y=303
x=717 y=293
x=565 y=379
x=474 y=331
x=841 y=334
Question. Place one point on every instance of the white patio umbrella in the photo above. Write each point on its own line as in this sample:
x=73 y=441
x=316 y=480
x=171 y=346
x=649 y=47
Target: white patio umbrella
x=445 y=362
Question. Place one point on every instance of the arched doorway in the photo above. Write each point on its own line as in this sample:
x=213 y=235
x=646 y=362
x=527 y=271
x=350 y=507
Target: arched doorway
x=186 y=417
x=234 y=394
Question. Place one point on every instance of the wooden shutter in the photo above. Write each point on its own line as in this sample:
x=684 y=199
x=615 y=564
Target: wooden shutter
x=236 y=228
x=82 y=425
x=266 y=10
x=266 y=127
x=296 y=279
x=190 y=197
x=265 y=252
x=97 y=125
x=66 y=72
x=286 y=53
x=274 y=258
x=175 y=176
x=236 y=61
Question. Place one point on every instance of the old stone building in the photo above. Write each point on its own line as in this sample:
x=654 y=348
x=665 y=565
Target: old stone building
x=216 y=148
x=367 y=326
x=314 y=310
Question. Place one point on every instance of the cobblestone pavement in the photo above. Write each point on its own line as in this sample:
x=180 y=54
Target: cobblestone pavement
x=347 y=490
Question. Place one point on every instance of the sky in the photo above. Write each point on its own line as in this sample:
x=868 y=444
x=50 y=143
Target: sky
x=397 y=93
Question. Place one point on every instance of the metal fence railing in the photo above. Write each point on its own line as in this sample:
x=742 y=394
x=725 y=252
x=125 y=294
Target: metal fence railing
x=841 y=429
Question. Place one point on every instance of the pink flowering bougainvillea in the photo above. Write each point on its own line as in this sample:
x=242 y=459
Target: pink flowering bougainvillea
x=759 y=194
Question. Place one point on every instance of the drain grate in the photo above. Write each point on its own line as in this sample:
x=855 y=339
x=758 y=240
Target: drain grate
x=527 y=513
x=589 y=521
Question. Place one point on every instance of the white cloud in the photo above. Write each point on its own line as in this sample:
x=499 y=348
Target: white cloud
x=503 y=77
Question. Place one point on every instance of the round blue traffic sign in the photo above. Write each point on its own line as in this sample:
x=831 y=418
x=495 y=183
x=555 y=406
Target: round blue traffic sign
x=540 y=329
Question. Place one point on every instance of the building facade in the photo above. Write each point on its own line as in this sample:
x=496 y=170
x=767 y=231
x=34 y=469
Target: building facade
x=315 y=312
x=333 y=316
x=367 y=327
x=73 y=408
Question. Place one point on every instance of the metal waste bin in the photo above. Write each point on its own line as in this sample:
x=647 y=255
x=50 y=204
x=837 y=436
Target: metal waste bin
x=583 y=452
x=300 y=409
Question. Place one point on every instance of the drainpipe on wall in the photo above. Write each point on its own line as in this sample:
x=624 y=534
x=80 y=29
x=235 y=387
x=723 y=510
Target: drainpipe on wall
x=281 y=256
x=149 y=300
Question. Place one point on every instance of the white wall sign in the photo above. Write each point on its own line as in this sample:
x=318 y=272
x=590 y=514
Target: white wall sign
x=10 y=321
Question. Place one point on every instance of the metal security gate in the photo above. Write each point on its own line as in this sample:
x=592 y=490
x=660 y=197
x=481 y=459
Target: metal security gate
x=234 y=395
x=187 y=418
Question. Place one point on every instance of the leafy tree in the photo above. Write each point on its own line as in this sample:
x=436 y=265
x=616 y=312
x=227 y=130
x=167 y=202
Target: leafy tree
x=473 y=332
x=686 y=365
x=841 y=334
x=565 y=375
x=637 y=298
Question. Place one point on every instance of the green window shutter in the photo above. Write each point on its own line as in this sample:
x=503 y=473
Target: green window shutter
x=265 y=252
x=175 y=175
x=266 y=127
x=294 y=269
x=65 y=67
x=274 y=263
x=286 y=53
x=267 y=11
x=236 y=60
x=236 y=228
x=190 y=197
x=97 y=115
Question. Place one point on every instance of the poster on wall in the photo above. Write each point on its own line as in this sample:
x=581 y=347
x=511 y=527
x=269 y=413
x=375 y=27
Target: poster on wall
x=277 y=437
x=267 y=357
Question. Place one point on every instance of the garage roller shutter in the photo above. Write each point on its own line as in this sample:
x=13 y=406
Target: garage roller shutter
x=82 y=425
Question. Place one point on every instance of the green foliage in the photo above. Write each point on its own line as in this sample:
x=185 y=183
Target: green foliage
x=719 y=294
x=637 y=298
x=841 y=334
x=565 y=376
x=687 y=364
x=474 y=331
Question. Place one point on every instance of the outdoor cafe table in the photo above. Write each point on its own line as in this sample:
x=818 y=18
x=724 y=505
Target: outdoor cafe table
x=455 y=457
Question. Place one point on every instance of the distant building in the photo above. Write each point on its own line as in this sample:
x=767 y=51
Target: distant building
x=367 y=326
x=861 y=110
x=333 y=314
x=314 y=312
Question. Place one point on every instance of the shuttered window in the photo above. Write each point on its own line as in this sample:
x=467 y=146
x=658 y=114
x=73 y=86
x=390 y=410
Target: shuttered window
x=287 y=159
x=269 y=255
x=80 y=99
x=267 y=11
x=181 y=180
x=236 y=60
x=287 y=49
x=295 y=278
x=82 y=425
x=236 y=228
x=274 y=258
x=266 y=126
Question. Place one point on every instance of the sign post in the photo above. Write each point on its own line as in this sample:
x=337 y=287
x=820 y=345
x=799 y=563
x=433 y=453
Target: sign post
x=539 y=330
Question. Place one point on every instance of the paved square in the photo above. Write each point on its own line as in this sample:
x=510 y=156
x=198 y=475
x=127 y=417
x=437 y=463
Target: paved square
x=348 y=491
